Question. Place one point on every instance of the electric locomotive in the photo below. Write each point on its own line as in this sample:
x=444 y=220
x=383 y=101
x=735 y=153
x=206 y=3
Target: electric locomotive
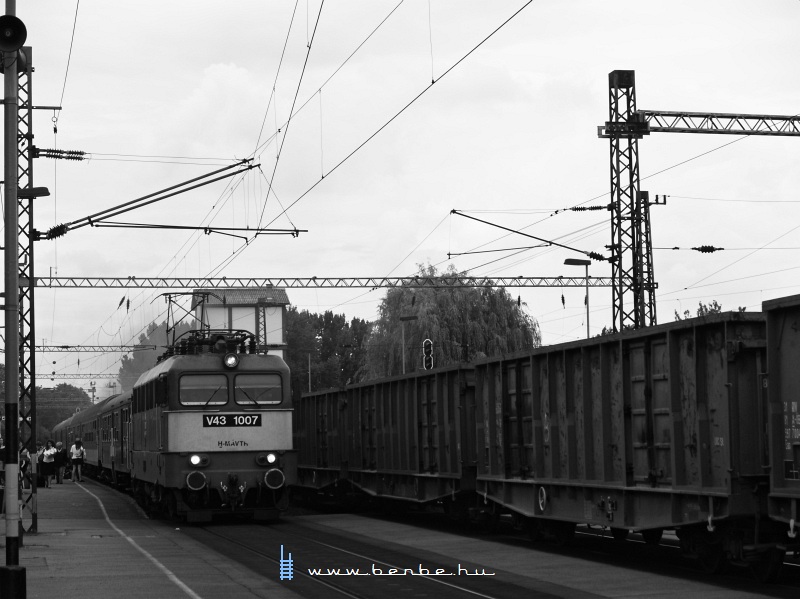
x=207 y=430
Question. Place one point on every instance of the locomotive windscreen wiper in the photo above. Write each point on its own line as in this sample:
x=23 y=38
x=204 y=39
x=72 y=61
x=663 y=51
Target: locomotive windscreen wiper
x=247 y=395
x=205 y=405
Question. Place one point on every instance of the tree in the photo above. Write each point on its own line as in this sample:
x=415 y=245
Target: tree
x=53 y=405
x=702 y=310
x=464 y=323
x=333 y=346
x=57 y=404
x=142 y=360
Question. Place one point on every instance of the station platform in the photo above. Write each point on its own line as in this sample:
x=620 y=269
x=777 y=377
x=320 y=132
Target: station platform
x=94 y=543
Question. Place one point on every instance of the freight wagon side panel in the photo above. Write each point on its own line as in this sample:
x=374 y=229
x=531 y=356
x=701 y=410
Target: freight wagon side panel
x=646 y=429
x=396 y=438
x=318 y=439
x=783 y=389
x=688 y=465
x=713 y=407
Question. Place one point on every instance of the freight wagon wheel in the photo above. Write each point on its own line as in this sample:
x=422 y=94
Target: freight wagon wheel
x=652 y=536
x=619 y=534
x=456 y=511
x=535 y=529
x=490 y=522
x=710 y=556
x=563 y=532
x=767 y=568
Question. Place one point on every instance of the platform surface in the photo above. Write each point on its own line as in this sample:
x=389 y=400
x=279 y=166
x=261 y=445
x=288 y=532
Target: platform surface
x=95 y=543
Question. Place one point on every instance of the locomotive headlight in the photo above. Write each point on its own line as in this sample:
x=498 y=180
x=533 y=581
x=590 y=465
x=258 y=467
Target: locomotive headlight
x=230 y=360
x=265 y=459
x=198 y=460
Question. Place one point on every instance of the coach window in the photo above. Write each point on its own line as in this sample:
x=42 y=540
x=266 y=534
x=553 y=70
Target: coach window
x=257 y=389
x=204 y=390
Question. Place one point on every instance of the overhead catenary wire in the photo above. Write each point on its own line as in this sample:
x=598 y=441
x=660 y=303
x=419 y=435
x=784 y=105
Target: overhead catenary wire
x=574 y=236
x=406 y=106
x=228 y=159
x=291 y=110
x=708 y=249
x=527 y=247
x=228 y=260
x=597 y=197
x=206 y=229
x=277 y=74
x=743 y=257
x=69 y=56
x=593 y=255
x=324 y=83
x=755 y=201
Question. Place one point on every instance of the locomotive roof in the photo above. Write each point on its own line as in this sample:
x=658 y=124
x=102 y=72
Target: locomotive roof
x=207 y=362
x=243 y=296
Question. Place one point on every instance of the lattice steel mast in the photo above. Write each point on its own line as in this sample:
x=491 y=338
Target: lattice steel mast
x=633 y=287
x=25 y=259
x=633 y=281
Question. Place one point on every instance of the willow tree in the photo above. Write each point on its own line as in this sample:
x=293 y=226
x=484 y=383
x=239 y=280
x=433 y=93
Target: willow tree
x=464 y=324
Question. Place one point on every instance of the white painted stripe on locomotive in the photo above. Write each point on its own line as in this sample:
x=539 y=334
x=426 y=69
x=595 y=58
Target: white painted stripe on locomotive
x=187 y=433
x=166 y=571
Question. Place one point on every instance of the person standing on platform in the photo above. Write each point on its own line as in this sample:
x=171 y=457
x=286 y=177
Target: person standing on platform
x=37 y=464
x=48 y=463
x=24 y=463
x=60 y=462
x=77 y=454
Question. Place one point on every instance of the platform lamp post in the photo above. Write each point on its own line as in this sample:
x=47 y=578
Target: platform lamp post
x=586 y=263
x=403 y=320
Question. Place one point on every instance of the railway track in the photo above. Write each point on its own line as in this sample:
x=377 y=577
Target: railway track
x=351 y=564
x=325 y=563
x=351 y=559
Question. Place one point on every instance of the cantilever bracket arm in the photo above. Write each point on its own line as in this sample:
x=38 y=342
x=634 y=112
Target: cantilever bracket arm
x=95 y=219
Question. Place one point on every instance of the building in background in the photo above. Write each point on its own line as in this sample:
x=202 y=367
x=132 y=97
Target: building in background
x=260 y=310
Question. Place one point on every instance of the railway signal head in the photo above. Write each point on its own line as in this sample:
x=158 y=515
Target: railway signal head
x=427 y=354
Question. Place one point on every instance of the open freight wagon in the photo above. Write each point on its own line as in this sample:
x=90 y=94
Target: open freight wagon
x=404 y=439
x=660 y=428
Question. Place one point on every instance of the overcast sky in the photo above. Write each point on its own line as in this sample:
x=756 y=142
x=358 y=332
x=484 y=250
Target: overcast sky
x=508 y=134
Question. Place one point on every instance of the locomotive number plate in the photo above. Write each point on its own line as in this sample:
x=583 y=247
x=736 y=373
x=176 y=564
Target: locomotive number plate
x=211 y=420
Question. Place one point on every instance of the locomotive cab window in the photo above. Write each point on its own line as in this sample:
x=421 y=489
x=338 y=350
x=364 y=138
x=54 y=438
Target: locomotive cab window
x=257 y=389
x=204 y=390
